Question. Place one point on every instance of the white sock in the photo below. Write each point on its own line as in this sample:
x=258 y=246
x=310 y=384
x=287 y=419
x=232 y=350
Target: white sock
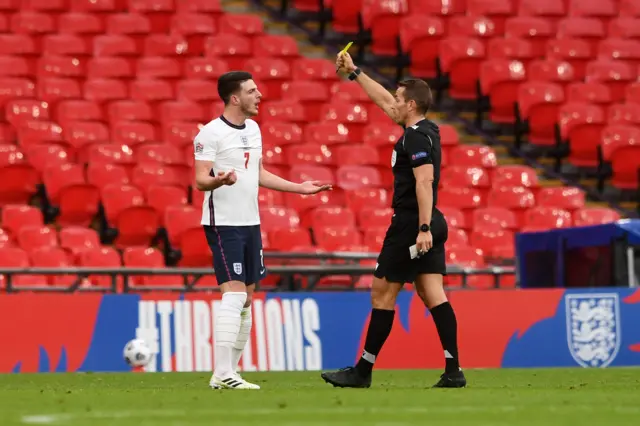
x=243 y=335
x=226 y=332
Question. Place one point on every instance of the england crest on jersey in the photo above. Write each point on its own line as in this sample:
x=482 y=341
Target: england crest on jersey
x=245 y=140
x=593 y=328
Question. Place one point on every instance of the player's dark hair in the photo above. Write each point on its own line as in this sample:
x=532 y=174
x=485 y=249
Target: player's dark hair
x=230 y=82
x=418 y=91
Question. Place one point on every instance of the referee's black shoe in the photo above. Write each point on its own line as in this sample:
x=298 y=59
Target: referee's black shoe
x=347 y=378
x=452 y=380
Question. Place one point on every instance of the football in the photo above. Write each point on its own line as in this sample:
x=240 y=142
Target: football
x=137 y=353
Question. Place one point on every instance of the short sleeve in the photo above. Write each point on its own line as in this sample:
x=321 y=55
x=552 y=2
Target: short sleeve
x=418 y=147
x=205 y=146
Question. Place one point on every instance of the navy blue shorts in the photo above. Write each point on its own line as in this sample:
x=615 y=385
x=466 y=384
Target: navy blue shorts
x=237 y=253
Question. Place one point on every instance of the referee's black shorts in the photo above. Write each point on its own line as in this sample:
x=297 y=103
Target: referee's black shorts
x=395 y=263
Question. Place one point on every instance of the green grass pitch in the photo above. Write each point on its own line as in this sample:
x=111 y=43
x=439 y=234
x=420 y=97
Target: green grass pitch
x=493 y=397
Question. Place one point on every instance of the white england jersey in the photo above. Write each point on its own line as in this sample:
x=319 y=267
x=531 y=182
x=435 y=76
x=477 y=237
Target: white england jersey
x=238 y=148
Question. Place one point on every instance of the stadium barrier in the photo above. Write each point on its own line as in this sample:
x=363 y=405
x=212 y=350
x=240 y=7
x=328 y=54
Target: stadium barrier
x=51 y=332
x=120 y=278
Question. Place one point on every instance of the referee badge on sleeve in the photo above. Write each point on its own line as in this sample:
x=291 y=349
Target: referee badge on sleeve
x=199 y=148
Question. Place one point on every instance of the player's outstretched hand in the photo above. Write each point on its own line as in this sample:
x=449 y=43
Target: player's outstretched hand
x=313 y=187
x=228 y=178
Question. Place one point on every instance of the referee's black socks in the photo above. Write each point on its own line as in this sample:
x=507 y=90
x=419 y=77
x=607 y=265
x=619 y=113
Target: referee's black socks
x=447 y=326
x=379 y=329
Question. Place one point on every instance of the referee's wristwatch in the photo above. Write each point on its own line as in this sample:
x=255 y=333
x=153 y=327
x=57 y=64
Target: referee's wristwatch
x=425 y=228
x=355 y=74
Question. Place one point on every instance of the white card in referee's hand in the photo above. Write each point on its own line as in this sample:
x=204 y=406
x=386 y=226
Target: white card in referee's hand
x=413 y=251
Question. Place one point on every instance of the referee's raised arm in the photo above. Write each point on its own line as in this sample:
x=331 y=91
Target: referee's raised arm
x=376 y=92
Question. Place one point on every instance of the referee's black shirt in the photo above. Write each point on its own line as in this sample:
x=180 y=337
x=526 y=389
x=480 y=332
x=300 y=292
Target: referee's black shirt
x=419 y=145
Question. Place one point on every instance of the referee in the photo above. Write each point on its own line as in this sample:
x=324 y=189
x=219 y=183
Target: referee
x=416 y=221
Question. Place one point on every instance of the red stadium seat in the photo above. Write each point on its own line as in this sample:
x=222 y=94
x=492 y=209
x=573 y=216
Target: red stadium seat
x=126 y=211
x=374 y=217
x=367 y=197
x=165 y=45
x=499 y=80
x=628 y=113
x=182 y=111
x=383 y=19
x=632 y=92
x=195 y=27
x=114 y=45
x=204 y=92
x=232 y=48
x=491 y=241
x=620 y=147
x=127 y=110
x=466 y=177
x=594 y=93
x=33 y=23
x=515 y=49
x=533 y=29
x=41 y=156
x=180 y=134
x=67 y=189
x=629 y=8
x=21 y=110
x=496 y=10
x=464 y=199
x=310 y=154
x=81 y=135
x=33 y=132
x=323 y=133
x=564 y=197
x=305 y=204
x=457 y=238
x=480 y=27
x=620 y=50
x=494 y=218
x=242 y=24
x=16 y=216
x=277 y=46
x=588 y=216
x=132 y=24
x=18 y=179
x=132 y=133
x=588 y=29
x=475 y=156
x=276 y=133
x=549 y=9
x=105 y=90
x=53 y=257
x=315 y=69
x=332 y=216
x=602 y=9
x=576 y=52
x=210 y=7
x=270 y=198
x=581 y=125
x=354 y=177
x=352 y=116
x=158 y=67
x=148 y=257
x=286 y=239
x=517 y=199
x=194 y=248
x=65 y=45
x=85 y=24
x=460 y=59
x=17 y=44
x=624 y=27
x=469 y=257
x=53 y=90
x=158 y=11
x=454 y=217
x=538 y=104
x=205 y=68
x=14 y=257
x=616 y=74
x=514 y=175
x=551 y=70
x=332 y=238
x=312 y=94
x=345 y=16
x=103 y=174
x=111 y=154
x=146 y=175
x=151 y=90
x=59 y=66
x=272 y=218
x=161 y=197
x=74 y=111
x=287 y=110
x=420 y=36
x=76 y=239
x=358 y=154
x=94 y=6
x=178 y=219
x=100 y=257
x=34 y=237
x=548 y=217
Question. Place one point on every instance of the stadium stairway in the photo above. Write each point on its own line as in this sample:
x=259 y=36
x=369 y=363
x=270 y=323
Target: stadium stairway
x=307 y=31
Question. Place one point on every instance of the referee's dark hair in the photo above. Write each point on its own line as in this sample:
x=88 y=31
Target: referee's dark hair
x=418 y=91
x=230 y=82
